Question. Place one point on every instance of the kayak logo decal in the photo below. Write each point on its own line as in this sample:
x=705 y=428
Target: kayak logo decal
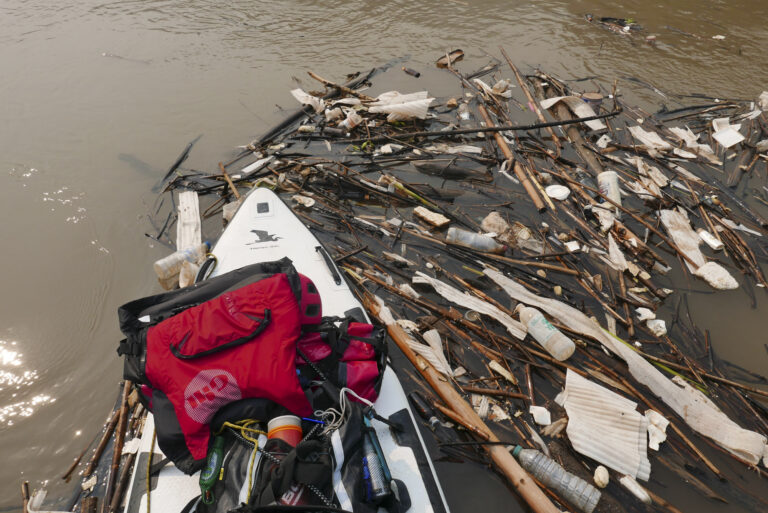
x=264 y=236
x=207 y=392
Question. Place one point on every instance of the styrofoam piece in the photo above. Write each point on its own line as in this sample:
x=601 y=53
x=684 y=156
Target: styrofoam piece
x=305 y=98
x=717 y=276
x=657 y=326
x=433 y=218
x=558 y=192
x=602 y=477
x=689 y=403
x=473 y=303
x=644 y=314
x=726 y=134
x=540 y=415
x=495 y=223
x=657 y=428
x=635 y=489
x=711 y=241
x=578 y=106
x=606 y=427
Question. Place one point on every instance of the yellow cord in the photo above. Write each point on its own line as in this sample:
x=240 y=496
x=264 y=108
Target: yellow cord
x=149 y=466
x=244 y=428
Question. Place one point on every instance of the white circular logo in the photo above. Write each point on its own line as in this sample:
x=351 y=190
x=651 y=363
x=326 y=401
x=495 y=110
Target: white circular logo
x=207 y=392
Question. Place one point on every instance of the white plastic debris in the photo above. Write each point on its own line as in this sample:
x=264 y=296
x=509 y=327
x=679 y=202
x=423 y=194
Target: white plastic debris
x=657 y=428
x=762 y=100
x=578 y=106
x=495 y=223
x=351 y=121
x=711 y=241
x=503 y=372
x=602 y=143
x=573 y=246
x=605 y=426
x=679 y=228
x=726 y=134
x=473 y=303
x=36 y=502
x=540 y=415
x=502 y=91
x=304 y=201
x=432 y=337
x=433 y=218
x=558 y=192
x=644 y=314
x=635 y=489
x=402 y=107
x=601 y=477
x=651 y=140
x=733 y=226
x=657 y=326
x=252 y=168
x=692 y=143
x=307 y=99
x=555 y=428
x=334 y=114
x=690 y=404
x=481 y=404
x=616 y=258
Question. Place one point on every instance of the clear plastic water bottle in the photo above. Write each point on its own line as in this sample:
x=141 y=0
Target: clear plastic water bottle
x=169 y=266
x=550 y=338
x=575 y=490
x=478 y=241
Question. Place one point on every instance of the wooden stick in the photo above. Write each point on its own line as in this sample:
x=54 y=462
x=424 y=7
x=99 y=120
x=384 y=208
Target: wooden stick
x=343 y=89
x=519 y=172
x=117 y=449
x=122 y=483
x=531 y=101
x=229 y=180
x=68 y=474
x=25 y=497
x=102 y=443
x=520 y=480
x=491 y=391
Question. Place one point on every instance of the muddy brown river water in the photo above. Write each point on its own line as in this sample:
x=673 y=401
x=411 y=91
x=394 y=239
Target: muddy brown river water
x=97 y=98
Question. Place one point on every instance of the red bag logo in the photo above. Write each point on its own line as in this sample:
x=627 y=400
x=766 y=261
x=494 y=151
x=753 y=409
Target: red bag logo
x=207 y=392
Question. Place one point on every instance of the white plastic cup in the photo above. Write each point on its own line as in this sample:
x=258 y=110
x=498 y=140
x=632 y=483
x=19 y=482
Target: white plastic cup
x=608 y=182
x=549 y=337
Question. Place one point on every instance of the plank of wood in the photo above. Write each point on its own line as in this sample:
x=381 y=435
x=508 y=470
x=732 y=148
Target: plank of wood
x=188 y=230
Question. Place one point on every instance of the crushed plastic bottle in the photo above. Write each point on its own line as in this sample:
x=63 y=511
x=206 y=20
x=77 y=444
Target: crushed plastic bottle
x=169 y=266
x=550 y=338
x=575 y=490
x=478 y=241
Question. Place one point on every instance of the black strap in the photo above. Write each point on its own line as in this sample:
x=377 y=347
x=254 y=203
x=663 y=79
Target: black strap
x=131 y=348
x=176 y=349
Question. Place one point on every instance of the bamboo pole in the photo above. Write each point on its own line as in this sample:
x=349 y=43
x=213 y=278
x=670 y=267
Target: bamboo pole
x=520 y=480
x=102 y=443
x=531 y=101
x=519 y=172
x=229 y=180
x=117 y=449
